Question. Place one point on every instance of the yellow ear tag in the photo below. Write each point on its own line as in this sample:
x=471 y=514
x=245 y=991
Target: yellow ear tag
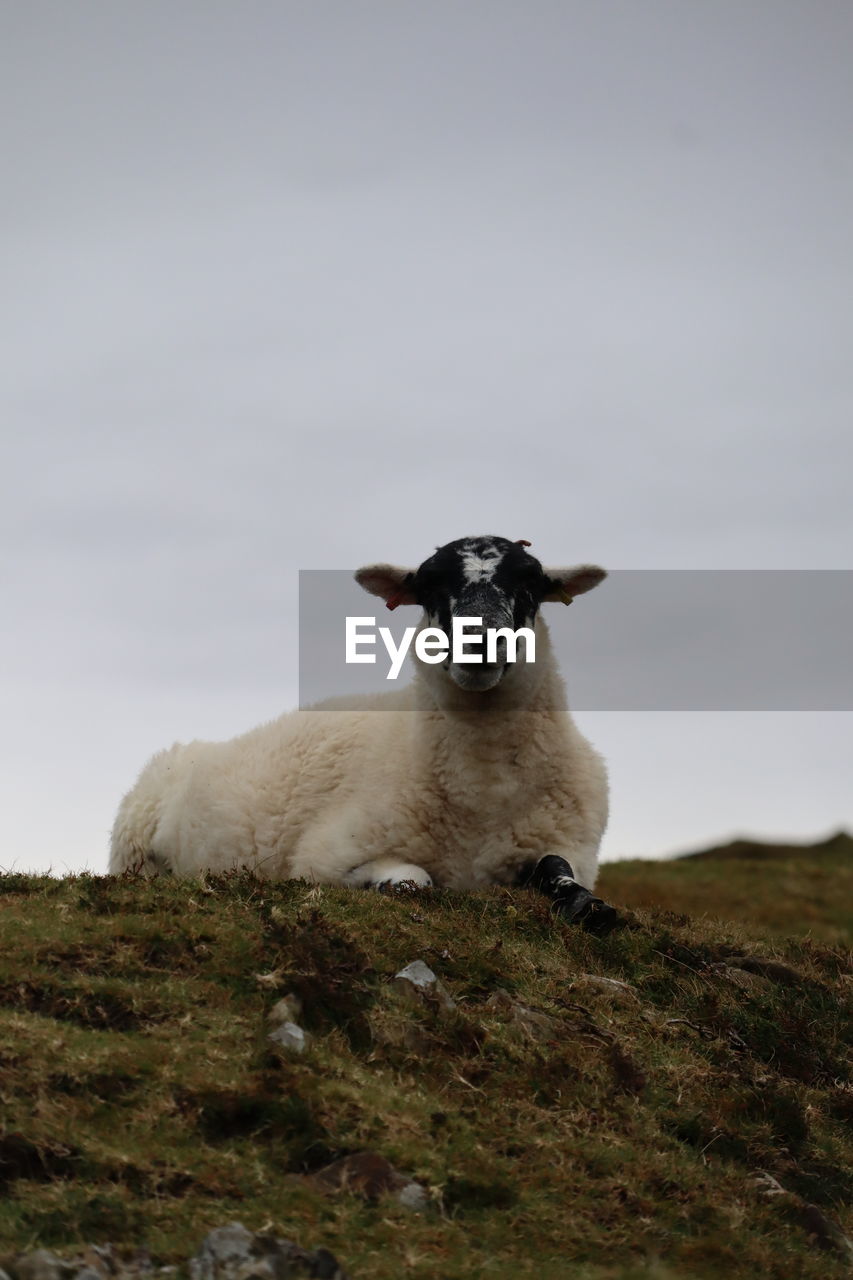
x=563 y=595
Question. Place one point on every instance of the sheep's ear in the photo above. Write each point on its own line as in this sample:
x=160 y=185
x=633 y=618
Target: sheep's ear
x=395 y=586
x=568 y=583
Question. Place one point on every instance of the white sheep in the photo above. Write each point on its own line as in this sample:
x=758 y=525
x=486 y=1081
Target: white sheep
x=468 y=776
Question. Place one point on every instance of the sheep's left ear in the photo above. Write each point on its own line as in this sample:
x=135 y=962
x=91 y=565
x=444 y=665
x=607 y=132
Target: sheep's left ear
x=395 y=586
x=568 y=583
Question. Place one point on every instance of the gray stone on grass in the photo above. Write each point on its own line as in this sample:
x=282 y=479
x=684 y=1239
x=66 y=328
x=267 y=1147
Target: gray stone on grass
x=290 y=1036
x=531 y=1024
x=607 y=986
x=287 y=1009
x=286 y=1031
x=233 y=1253
x=418 y=982
x=41 y=1264
x=228 y=1253
x=413 y=1196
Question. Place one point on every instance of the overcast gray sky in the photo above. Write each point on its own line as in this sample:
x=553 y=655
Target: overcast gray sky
x=309 y=285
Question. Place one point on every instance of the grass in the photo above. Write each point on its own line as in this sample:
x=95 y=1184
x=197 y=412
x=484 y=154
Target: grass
x=620 y=1135
x=775 y=889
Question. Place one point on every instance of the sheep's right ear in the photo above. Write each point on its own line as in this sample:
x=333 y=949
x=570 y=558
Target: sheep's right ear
x=395 y=586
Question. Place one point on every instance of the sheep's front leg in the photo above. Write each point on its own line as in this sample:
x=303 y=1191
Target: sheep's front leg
x=554 y=877
x=388 y=873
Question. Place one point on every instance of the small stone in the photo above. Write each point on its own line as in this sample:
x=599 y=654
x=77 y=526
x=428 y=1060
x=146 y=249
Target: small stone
x=417 y=973
x=287 y=1009
x=290 y=1036
x=413 y=1196
x=418 y=981
x=767 y=1184
x=224 y=1254
x=233 y=1253
x=531 y=1024
x=608 y=986
x=41 y=1264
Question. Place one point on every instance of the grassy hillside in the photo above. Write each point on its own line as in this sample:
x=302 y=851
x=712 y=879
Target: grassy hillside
x=802 y=890
x=561 y=1124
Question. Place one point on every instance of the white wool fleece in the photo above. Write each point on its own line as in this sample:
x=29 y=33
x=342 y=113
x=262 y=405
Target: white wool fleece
x=468 y=792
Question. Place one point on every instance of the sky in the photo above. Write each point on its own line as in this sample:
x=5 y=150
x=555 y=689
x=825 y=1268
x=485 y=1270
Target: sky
x=297 y=286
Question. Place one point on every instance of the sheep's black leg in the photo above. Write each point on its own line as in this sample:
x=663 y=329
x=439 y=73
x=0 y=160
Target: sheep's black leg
x=554 y=877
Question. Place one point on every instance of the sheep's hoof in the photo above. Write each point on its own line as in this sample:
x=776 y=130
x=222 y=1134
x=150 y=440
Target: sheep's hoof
x=594 y=915
x=401 y=886
x=554 y=877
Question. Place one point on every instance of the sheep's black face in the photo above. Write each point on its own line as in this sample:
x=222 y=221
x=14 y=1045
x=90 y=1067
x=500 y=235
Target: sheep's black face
x=501 y=574
x=492 y=579
x=489 y=578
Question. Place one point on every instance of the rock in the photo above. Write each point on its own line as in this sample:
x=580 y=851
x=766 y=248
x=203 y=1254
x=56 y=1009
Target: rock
x=290 y=1036
x=224 y=1253
x=228 y=1253
x=413 y=1196
x=97 y=1262
x=233 y=1253
x=41 y=1264
x=418 y=982
x=530 y=1023
x=607 y=986
x=286 y=1030
x=287 y=1009
x=767 y=1184
x=368 y=1174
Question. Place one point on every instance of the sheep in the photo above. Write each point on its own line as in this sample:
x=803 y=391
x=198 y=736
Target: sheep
x=471 y=775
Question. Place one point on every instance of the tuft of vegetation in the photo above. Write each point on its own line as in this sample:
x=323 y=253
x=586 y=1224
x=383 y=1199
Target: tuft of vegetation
x=670 y=1101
